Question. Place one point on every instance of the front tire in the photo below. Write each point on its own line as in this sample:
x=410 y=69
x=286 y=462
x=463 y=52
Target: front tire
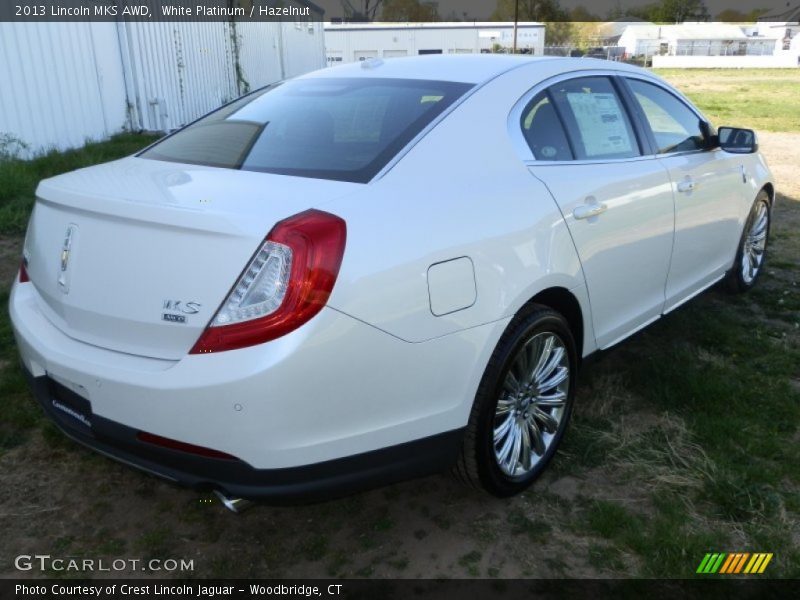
x=752 y=249
x=522 y=406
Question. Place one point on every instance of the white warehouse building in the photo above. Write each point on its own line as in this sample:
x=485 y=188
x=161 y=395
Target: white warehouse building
x=352 y=42
x=693 y=39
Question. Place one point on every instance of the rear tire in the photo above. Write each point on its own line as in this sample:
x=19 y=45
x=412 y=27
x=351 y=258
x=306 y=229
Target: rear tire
x=752 y=250
x=522 y=406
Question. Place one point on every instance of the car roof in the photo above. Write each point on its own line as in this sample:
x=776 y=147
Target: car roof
x=465 y=68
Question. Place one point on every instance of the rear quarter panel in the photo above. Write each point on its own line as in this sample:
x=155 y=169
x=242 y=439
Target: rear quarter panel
x=461 y=191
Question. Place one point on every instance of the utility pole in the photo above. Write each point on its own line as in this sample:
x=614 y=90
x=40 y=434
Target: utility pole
x=516 y=20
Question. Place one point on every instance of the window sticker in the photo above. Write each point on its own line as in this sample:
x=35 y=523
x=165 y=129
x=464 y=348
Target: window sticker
x=601 y=123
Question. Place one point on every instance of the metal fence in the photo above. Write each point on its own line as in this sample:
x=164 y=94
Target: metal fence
x=737 y=47
x=724 y=47
x=604 y=52
x=559 y=50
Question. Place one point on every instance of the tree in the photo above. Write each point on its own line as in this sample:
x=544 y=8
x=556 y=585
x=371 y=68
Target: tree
x=360 y=10
x=678 y=11
x=558 y=33
x=731 y=15
x=530 y=10
x=620 y=13
x=408 y=11
x=580 y=14
x=666 y=11
x=586 y=34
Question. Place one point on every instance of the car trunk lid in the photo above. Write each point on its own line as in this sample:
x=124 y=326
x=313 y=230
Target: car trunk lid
x=137 y=255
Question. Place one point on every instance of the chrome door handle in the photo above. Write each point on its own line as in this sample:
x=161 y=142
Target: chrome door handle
x=586 y=211
x=687 y=185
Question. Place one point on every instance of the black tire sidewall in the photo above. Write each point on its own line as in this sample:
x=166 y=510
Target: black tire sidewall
x=535 y=322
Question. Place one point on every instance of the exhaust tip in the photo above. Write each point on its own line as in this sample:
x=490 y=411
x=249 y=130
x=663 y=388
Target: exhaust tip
x=235 y=505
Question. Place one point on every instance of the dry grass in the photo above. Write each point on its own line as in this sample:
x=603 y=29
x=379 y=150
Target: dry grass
x=760 y=99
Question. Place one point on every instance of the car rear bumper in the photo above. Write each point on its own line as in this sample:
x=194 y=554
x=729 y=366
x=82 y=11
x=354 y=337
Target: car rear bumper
x=335 y=405
x=234 y=477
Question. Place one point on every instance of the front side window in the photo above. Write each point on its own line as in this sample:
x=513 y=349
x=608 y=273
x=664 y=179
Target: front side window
x=328 y=128
x=596 y=120
x=675 y=126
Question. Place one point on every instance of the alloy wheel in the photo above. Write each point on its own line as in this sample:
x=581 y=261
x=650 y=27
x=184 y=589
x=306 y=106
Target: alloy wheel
x=755 y=244
x=531 y=404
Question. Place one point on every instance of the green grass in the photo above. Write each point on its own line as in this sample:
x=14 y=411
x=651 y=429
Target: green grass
x=156 y=543
x=19 y=178
x=693 y=426
x=19 y=414
x=719 y=460
x=760 y=99
x=470 y=562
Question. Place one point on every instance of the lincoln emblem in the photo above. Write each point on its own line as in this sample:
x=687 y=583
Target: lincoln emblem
x=66 y=248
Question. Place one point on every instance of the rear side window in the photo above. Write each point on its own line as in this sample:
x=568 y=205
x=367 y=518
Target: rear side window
x=675 y=126
x=342 y=129
x=543 y=130
x=596 y=120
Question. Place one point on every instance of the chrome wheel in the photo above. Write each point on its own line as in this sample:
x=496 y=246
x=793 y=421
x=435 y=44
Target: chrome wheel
x=755 y=242
x=531 y=404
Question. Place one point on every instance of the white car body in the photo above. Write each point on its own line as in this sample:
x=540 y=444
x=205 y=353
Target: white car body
x=459 y=231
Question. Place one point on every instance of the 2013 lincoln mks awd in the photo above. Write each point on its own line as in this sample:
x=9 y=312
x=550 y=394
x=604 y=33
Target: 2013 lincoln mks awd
x=378 y=271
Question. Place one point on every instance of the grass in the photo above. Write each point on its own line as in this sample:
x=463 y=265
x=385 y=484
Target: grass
x=19 y=178
x=760 y=99
x=714 y=455
x=19 y=414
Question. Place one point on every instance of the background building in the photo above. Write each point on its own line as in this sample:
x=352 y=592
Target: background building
x=69 y=82
x=349 y=42
x=693 y=39
x=784 y=24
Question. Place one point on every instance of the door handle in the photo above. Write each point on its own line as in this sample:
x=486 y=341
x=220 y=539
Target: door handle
x=586 y=211
x=686 y=186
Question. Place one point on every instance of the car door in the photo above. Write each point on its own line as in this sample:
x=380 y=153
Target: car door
x=707 y=186
x=616 y=200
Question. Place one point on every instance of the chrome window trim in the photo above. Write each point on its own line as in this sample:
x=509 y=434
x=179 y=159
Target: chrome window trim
x=524 y=151
x=426 y=130
x=515 y=118
x=547 y=163
x=680 y=98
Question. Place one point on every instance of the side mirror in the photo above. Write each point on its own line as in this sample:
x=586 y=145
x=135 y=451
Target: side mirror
x=710 y=137
x=738 y=141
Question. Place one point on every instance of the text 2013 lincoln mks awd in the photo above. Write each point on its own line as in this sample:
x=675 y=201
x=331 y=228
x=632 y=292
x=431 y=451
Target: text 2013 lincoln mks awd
x=378 y=271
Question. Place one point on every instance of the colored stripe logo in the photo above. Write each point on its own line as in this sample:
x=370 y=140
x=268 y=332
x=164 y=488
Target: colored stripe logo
x=734 y=563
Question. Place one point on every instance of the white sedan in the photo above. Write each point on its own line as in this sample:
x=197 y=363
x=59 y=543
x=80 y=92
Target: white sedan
x=378 y=271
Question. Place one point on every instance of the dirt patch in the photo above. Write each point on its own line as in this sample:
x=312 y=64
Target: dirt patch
x=783 y=158
x=10 y=254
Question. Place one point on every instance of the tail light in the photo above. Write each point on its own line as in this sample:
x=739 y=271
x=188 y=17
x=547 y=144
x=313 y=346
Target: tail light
x=286 y=283
x=23 y=272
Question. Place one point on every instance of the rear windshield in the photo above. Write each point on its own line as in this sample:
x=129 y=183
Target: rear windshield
x=337 y=128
